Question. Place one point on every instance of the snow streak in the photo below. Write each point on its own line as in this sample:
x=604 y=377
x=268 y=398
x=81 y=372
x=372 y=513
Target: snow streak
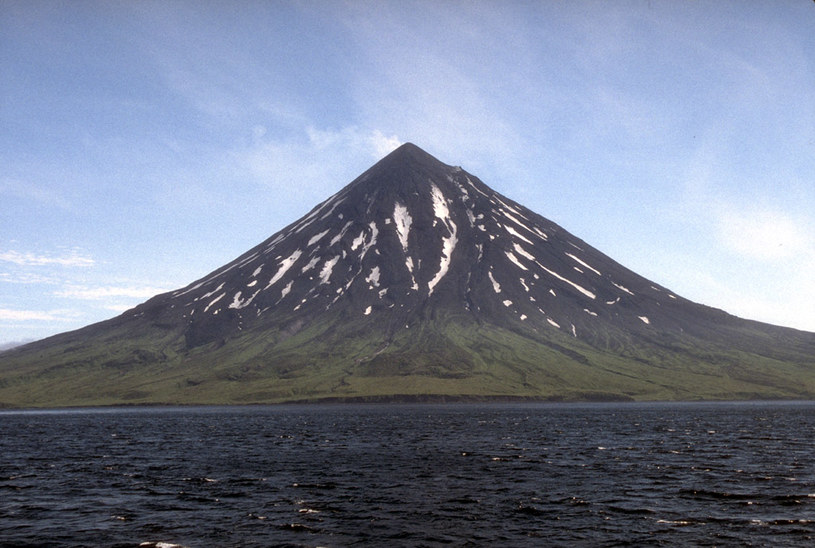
x=618 y=286
x=285 y=265
x=317 y=237
x=584 y=264
x=403 y=221
x=584 y=291
x=495 y=285
x=328 y=267
x=448 y=243
x=515 y=260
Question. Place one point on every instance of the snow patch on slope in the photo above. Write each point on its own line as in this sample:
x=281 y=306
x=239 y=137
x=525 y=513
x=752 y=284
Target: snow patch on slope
x=449 y=243
x=339 y=236
x=236 y=301
x=311 y=264
x=582 y=290
x=584 y=264
x=495 y=285
x=328 y=267
x=358 y=241
x=284 y=266
x=471 y=218
x=618 y=286
x=403 y=220
x=215 y=300
x=515 y=260
x=517 y=234
x=373 y=277
x=210 y=293
x=514 y=219
x=521 y=251
x=317 y=237
x=370 y=243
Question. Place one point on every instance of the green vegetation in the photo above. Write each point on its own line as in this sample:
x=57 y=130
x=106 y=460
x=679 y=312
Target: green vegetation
x=449 y=357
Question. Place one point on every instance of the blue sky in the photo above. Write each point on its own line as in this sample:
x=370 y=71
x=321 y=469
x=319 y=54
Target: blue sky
x=144 y=144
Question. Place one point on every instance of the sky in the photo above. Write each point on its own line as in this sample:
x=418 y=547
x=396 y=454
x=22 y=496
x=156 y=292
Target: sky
x=145 y=143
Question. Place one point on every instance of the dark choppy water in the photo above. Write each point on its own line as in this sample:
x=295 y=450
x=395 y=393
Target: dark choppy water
x=411 y=475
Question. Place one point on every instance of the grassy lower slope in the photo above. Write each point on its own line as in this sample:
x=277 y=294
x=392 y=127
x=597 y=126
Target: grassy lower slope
x=448 y=356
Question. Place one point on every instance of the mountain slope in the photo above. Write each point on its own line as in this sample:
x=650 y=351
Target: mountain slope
x=415 y=280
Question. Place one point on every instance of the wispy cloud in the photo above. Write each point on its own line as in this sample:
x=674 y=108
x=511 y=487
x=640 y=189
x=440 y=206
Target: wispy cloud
x=118 y=308
x=108 y=292
x=7 y=314
x=30 y=191
x=316 y=157
x=27 y=278
x=73 y=259
x=383 y=144
x=772 y=245
x=763 y=234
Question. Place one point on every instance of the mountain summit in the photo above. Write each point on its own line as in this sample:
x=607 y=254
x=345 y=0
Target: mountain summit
x=415 y=281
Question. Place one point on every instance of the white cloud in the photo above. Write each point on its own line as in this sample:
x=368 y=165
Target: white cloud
x=7 y=314
x=761 y=260
x=72 y=259
x=744 y=244
x=118 y=308
x=777 y=292
x=107 y=292
x=27 y=278
x=372 y=142
x=763 y=234
x=318 y=160
x=789 y=305
x=384 y=145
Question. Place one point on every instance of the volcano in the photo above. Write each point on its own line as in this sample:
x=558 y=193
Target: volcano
x=415 y=282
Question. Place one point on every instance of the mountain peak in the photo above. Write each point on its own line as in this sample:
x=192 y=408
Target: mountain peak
x=417 y=278
x=409 y=151
x=407 y=162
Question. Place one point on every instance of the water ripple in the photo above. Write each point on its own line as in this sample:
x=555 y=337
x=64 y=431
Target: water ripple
x=412 y=475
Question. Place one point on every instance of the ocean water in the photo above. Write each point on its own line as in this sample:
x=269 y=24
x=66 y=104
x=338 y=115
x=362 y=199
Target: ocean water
x=712 y=474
